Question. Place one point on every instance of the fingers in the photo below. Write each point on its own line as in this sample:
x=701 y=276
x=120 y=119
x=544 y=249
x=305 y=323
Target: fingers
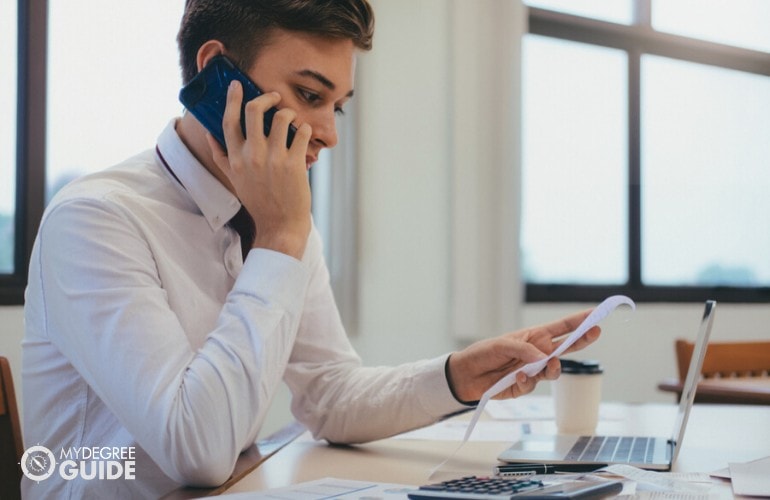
x=301 y=140
x=231 y=120
x=588 y=338
x=282 y=119
x=567 y=324
x=279 y=129
x=552 y=369
x=526 y=384
x=525 y=352
x=255 y=117
x=279 y=133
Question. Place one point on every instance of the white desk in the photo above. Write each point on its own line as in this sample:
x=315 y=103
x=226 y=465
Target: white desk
x=716 y=435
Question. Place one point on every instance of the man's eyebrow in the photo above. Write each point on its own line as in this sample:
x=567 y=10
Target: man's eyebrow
x=321 y=79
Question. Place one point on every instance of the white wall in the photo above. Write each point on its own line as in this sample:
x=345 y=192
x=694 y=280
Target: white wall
x=405 y=257
x=11 y=333
x=403 y=96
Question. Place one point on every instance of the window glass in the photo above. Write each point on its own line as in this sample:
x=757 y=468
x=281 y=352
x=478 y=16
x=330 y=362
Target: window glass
x=8 y=65
x=705 y=181
x=112 y=84
x=616 y=11
x=575 y=112
x=743 y=23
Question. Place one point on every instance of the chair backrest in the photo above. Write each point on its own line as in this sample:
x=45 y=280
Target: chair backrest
x=727 y=359
x=11 y=447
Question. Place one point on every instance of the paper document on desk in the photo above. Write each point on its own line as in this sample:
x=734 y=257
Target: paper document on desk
x=529 y=408
x=656 y=481
x=454 y=430
x=752 y=478
x=344 y=489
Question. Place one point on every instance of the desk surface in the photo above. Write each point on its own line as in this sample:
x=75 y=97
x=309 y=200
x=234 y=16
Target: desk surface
x=716 y=435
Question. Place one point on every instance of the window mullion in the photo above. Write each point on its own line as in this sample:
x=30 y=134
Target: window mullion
x=634 y=169
x=643 y=13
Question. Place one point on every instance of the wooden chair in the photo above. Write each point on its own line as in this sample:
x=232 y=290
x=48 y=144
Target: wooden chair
x=733 y=372
x=11 y=447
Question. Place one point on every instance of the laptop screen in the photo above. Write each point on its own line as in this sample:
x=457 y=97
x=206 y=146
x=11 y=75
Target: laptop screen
x=693 y=376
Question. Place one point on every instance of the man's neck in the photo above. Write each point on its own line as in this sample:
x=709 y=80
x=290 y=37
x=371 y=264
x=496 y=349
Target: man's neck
x=193 y=136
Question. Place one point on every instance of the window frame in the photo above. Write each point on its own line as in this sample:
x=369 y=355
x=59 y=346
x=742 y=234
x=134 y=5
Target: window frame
x=637 y=39
x=30 y=133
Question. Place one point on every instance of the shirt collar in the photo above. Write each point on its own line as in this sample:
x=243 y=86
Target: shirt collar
x=216 y=203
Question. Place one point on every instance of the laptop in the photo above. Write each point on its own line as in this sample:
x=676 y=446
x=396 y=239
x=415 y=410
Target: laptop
x=652 y=453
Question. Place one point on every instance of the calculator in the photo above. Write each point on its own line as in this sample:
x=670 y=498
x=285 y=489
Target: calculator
x=497 y=488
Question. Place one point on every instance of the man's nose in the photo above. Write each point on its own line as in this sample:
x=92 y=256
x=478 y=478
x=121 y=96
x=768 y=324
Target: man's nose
x=325 y=129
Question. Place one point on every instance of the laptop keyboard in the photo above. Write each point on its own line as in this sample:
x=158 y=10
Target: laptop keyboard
x=609 y=449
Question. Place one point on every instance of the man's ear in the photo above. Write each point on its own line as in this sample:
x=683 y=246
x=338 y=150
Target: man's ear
x=208 y=51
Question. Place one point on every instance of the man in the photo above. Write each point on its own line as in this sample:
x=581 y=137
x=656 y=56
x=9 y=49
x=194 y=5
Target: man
x=147 y=330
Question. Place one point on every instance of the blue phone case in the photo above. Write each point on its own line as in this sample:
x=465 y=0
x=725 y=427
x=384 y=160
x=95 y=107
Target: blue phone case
x=205 y=97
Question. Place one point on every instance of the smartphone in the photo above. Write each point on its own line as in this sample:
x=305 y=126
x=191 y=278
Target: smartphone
x=205 y=97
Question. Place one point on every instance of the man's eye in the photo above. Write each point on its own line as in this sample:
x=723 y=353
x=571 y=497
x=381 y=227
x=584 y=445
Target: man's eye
x=339 y=111
x=308 y=96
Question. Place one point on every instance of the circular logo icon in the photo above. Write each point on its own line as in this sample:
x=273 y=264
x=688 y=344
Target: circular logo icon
x=38 y=463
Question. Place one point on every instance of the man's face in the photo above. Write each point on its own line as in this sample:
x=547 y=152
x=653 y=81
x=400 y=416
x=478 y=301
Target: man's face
x=313 y=75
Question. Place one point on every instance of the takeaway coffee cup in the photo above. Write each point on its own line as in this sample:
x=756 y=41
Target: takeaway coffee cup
x=577 y=394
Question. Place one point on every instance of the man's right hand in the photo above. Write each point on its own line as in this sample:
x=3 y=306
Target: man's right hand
x=269 y=179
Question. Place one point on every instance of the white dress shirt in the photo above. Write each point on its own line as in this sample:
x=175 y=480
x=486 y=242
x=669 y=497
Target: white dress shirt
x=145 y=329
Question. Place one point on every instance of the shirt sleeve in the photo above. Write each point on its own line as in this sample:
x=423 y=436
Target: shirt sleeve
x=192 y=410
x=340 y=400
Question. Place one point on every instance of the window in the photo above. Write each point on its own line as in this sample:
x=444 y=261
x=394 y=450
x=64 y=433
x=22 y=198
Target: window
x=86 y=89
x=721 y=167
x=617 y=11
x=644 y=150
x=577 y=172
x=79 y=88
x=8 y=21
x=742 y=23
x=106 y=102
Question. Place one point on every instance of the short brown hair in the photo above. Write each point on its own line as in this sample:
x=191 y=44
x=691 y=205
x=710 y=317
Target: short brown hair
x=244 y=26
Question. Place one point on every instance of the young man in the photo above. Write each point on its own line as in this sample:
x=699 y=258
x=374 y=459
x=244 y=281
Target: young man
x=148 y=331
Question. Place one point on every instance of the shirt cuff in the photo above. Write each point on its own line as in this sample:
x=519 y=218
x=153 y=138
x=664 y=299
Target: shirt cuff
x=272 y=276
x=437 y=397
x=471 y=404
